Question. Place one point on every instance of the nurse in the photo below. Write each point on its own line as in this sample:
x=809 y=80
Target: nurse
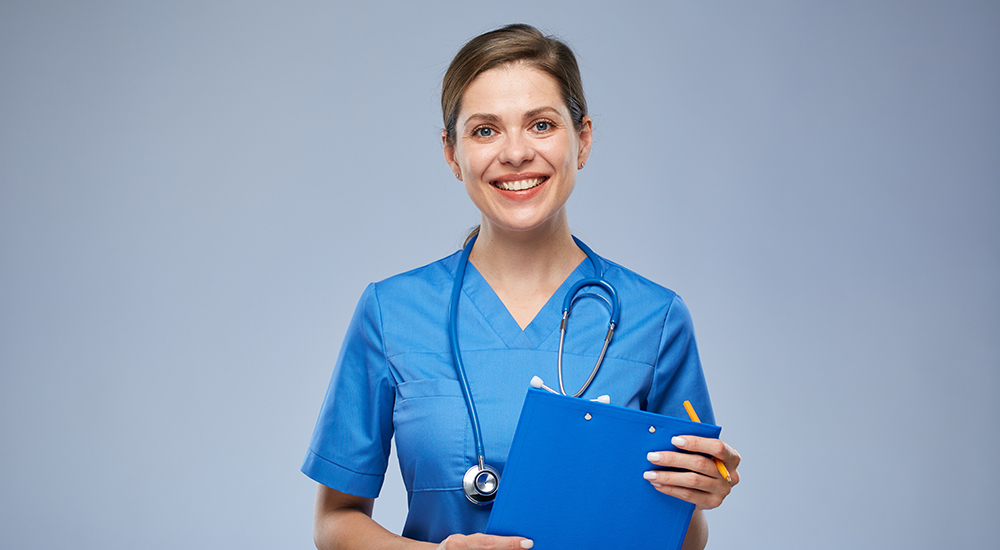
x=516 y=131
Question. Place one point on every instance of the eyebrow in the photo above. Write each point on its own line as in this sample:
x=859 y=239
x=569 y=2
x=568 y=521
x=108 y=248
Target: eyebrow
x=535 y=112
x=481 y=117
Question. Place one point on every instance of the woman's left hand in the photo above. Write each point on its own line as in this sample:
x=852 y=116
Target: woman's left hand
x=702 y=483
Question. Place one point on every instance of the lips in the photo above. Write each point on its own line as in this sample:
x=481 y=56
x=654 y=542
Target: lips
x=519 y=184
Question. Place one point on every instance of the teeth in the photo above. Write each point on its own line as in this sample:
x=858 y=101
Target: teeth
x=519 y=185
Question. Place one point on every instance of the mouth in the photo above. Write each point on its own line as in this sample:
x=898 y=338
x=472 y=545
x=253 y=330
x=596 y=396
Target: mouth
x=518 y=185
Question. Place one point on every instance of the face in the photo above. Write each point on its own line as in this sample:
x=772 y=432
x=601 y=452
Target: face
x=517 y=150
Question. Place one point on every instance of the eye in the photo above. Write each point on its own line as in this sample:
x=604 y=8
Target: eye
x=483 y=131
x=542 y=126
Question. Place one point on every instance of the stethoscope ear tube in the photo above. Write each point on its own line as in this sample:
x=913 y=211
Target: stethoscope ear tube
x=593 y=281
x=612 y=323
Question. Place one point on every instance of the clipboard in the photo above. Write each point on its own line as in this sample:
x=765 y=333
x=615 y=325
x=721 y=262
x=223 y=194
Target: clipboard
x=573 y=477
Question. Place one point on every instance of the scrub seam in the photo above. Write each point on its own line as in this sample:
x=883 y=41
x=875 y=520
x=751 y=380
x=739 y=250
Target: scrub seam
x=663 y=331
x=436 y=489
x=470 y=301
x=552 y=351
x=482 y=314
x=341 y=466
x=381 y=336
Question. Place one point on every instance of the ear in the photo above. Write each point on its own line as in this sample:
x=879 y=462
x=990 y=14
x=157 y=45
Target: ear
x=586 y=137
x=449 y=155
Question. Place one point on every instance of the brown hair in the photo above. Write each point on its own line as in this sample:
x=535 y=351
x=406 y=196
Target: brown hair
x=511 y=44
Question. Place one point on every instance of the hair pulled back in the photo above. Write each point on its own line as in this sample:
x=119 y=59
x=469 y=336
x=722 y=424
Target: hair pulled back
x=510 y=44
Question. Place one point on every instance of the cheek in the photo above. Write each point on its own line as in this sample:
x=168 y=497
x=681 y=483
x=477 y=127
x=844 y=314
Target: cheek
x=474 y=191
x=562 y=153
x=471 y=161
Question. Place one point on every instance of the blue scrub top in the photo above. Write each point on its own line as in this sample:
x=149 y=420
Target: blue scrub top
x=395 y=376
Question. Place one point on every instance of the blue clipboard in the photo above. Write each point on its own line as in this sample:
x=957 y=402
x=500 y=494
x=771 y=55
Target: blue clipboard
x=573 y=477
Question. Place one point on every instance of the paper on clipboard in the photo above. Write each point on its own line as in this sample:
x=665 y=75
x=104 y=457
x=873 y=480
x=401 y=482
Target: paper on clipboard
x=573 y=477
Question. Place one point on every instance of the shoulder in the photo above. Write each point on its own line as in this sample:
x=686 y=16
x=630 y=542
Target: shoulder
x=408 y=291
x=647 y=304
x=636 y=289
x=425 y=281
x=411 y=308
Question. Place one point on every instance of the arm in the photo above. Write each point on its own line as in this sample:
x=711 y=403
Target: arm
x=697 y=535
x=701 y=484
x=343 y=522
x=679 y=377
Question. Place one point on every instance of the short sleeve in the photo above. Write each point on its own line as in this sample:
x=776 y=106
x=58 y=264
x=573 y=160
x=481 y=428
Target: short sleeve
x=350 y=445
x=678 y=375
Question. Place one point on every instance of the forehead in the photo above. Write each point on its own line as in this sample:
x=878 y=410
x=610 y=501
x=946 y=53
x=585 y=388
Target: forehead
x=511 y=90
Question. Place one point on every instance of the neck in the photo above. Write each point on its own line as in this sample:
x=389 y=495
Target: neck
x=525 y=255
x=525 y=268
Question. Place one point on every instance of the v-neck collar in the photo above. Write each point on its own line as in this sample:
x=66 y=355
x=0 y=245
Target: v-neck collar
x=482 y=295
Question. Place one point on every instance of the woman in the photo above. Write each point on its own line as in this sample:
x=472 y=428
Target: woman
x=516 y=133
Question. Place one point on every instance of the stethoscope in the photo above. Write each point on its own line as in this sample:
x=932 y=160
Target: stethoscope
x=481 y=481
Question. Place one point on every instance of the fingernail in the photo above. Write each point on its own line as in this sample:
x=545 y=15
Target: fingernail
x=653 y=457
x=649 y=475
x=678 y=441
x=657 y=485
x=527 y=543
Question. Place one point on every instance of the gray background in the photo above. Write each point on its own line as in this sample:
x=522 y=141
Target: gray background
x=193 y=196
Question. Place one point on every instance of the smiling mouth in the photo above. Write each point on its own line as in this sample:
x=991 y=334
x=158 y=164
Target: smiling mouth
x=518 y=185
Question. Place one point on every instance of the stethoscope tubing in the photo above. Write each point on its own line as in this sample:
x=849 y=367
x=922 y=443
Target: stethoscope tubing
x=456 y=353
x=477 y=495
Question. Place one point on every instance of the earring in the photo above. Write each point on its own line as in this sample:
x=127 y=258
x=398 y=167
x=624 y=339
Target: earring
x=458 y=177
x=582 y=164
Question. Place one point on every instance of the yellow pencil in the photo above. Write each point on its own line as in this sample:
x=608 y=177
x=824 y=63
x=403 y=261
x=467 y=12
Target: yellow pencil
x=722 y=467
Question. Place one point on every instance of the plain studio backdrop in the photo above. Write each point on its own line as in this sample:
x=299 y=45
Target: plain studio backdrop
x=193 y=196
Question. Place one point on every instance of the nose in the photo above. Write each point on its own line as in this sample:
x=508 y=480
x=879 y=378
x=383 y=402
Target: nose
x=516 y=150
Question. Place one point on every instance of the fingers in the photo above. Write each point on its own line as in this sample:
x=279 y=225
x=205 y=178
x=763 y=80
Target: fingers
x=706 y=492
x=480 y=541
x=714 y=447
x=699 y=480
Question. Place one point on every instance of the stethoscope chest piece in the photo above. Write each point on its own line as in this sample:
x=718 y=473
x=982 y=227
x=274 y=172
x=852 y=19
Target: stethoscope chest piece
x=480 y=484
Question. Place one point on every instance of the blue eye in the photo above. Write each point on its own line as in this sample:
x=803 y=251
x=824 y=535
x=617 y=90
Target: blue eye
x=542 y=126
x=485 y=131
